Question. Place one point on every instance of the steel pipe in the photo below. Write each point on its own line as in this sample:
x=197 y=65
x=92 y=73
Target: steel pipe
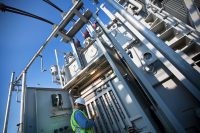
x=22 y=106
x=5 y=126
x=169 y=53
x=59 y=71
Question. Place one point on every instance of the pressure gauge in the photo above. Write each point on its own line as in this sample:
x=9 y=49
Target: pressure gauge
x=93 y=51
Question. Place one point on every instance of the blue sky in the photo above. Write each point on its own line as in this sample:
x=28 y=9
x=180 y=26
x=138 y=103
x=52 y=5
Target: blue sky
x=20 y=38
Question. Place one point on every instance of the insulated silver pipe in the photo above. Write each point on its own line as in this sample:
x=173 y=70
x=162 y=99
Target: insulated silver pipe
x=5 y=126
x=169 y=53
x=22 y=106
x=59 y=71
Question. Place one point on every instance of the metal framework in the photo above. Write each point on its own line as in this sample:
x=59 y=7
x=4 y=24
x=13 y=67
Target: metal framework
x=123 y=72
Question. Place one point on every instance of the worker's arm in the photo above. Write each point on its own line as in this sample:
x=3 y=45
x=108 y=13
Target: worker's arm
x=82 y=121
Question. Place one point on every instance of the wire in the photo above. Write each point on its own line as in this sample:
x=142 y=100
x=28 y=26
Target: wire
x=53 y=5
x=33 y=16
x=4 y=8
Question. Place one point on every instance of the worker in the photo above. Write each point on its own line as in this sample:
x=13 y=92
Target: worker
x=79 y=120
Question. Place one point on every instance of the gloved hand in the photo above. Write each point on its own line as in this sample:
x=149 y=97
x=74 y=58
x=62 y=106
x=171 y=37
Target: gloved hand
x=93 y=117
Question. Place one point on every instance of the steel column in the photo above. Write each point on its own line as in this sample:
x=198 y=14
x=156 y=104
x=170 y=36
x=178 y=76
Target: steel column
x=5 y=126
x=169 y=53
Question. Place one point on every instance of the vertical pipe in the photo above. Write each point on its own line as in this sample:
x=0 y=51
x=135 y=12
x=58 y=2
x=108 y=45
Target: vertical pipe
x=5 y=126
x=185 y=68
x=59 y=73
x=22 y=113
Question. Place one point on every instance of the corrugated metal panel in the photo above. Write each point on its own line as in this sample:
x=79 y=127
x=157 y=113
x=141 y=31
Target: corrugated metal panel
x=197 y=3
x=177 y=9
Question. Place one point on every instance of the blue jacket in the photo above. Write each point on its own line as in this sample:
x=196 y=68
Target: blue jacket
x=82 y=121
